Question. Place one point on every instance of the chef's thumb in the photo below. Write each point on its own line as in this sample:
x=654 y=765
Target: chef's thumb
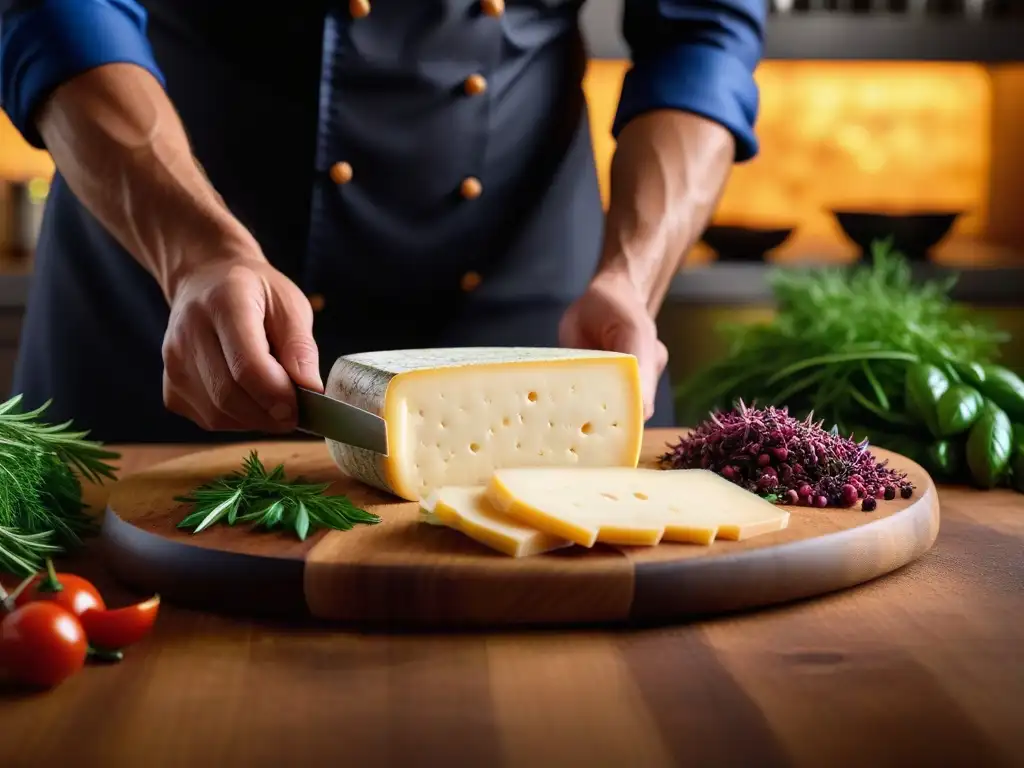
x=291 y=337
x=642 y=342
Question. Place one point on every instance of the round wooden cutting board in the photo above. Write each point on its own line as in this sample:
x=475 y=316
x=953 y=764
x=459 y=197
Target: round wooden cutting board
x=403 y=572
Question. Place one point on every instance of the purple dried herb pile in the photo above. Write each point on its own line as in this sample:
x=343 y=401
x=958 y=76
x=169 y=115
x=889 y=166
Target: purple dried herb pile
x=788 y=461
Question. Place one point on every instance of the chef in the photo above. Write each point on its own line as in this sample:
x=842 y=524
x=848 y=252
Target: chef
x=242 y=195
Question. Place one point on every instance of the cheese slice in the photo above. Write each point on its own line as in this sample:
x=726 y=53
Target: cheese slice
x=633 y=506
x=467 y=510
x=456 y=415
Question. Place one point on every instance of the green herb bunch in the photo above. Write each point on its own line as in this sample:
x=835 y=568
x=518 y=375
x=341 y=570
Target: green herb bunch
x=882 y=357
x=269 y=501
x=41 y=466
x=840 y=344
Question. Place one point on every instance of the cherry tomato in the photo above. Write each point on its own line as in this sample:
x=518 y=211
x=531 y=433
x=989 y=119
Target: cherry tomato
x=65 y=589
x=42 y=644
x=120 y=627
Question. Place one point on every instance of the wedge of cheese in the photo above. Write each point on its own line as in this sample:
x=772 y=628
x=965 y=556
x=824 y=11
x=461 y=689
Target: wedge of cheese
x=633 y=506
x=456 y=415
x=467 y=510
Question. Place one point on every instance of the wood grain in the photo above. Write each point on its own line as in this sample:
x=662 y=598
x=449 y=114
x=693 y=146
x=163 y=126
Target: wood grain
x=921 y=667
x=401 y=572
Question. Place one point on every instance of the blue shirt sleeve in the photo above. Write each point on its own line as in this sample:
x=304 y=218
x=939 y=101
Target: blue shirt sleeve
x=44 y=43
x=698 y=56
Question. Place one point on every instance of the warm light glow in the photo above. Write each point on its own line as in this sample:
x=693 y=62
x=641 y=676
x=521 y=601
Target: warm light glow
x=894 y=135
x=853 y=134
x=18 y=160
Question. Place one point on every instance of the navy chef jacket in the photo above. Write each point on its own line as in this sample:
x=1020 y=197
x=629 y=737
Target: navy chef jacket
x=422 y=169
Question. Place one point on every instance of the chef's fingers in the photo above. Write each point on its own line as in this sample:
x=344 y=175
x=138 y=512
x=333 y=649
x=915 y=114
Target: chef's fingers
x=183 y=390
x=569 y=330
x=238 y=318
x=180 y=403
x=232 y=406
x=641 y=340
x=289 y=324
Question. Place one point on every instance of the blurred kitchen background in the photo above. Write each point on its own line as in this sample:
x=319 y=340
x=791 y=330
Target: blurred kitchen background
x=879 y=118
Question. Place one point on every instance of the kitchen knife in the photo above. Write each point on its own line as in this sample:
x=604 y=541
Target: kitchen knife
x=326 y=417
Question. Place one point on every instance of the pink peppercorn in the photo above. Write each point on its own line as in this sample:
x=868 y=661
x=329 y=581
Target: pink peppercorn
x=849 y=495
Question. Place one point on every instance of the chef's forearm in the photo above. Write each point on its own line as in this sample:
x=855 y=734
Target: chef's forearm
x=116 y=138
x=667 y=176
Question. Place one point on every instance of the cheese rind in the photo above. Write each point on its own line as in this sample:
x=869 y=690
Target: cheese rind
x=456 y=415
x=467 y=510
x=633 y=506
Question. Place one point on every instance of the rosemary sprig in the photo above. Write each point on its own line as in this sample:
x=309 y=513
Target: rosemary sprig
x=270 y=501
x=86 y=457
x=41 y=508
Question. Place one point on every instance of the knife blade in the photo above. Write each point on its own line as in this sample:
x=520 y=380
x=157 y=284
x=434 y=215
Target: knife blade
x=326 y=417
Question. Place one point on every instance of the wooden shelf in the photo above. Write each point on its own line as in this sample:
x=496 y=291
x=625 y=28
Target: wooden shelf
x=988 y=275
x=833 y=36
x=894 y=38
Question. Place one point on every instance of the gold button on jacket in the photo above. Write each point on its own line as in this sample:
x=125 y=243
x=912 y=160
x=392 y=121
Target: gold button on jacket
x=475 y=85
x=470 y=281
x=492 y=7
x=471 y=188
x=341 y=173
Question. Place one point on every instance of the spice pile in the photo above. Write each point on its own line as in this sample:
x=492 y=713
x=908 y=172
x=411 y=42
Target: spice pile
x=770 y=453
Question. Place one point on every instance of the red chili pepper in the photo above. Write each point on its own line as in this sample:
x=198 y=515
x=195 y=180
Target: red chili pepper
x=121 y=627
x=71 y=592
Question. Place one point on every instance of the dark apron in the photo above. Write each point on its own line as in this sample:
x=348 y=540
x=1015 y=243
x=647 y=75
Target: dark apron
x=400 y=258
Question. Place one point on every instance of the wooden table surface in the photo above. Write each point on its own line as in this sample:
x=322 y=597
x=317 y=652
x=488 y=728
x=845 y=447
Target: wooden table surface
x=923 y=667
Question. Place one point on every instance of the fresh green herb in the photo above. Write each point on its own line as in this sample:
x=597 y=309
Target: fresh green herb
x=990 y=447
x=957 y=409
x=971 y=373
x=840 y=344
x=866 y=348
x=945 y=460
x=1017 y=470
x=1004 y=388
x=924 y=386
x=41 y=507
x=269 y=501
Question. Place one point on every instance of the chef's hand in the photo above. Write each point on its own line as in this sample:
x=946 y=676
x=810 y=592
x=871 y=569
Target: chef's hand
x=612 y=315
x=239 y=330
x=240 y=333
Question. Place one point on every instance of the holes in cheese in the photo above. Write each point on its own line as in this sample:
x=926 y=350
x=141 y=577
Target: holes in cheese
x=490 y=408
x=633 y=506
x=467 y=510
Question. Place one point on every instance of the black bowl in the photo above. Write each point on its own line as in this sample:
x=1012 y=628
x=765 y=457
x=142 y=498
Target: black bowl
x=912 y=234
x=735 y=243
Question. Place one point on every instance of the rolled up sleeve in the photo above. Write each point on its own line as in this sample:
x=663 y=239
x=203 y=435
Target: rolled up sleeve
x=699 y=57
x=44 y=43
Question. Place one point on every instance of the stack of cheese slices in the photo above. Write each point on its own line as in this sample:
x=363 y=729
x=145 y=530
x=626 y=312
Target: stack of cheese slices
x=527 y=450
x=527 y=511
